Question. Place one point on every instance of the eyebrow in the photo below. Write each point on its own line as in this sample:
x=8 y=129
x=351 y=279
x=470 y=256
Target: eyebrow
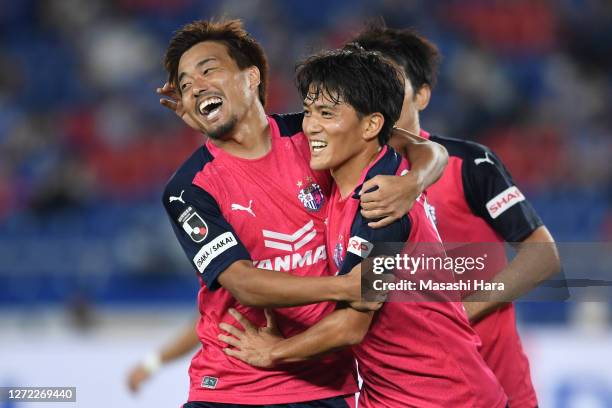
x=320 y=106
x=198 y=65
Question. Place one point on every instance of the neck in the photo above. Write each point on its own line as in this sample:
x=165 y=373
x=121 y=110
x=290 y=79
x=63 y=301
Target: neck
x=347 y=174
x=410 y=124
x=250 y=138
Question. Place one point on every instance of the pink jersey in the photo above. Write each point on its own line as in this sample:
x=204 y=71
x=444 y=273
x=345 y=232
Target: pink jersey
x=269 y=210
x=466 y=210
x=417 y=354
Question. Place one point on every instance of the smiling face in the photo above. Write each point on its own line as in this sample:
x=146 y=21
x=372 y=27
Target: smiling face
x=215 y=93
x=335 y=131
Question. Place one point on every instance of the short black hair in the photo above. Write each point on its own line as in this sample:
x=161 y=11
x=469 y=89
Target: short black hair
x=418 y=57
x=241 y=47
x=362 y=79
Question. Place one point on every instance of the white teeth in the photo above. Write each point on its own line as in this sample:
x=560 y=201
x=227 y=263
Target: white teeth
x=318 y=144
x=207 y=102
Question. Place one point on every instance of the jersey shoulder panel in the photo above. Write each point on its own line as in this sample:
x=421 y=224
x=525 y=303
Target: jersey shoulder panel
x=289 y=124
x=362 y=235
x=207 y=239
x=490 y=191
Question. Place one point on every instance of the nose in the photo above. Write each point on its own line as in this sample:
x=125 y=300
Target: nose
x=199 y=85
x=311 y=126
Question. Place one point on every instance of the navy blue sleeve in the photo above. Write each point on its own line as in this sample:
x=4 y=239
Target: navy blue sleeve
x=365 y=241
x=207 y=239
x=289 y=123
x=492 y=195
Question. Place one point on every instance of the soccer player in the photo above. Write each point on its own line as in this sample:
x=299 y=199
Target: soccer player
x=476 y=200
x=417 y=354
x=249 y=213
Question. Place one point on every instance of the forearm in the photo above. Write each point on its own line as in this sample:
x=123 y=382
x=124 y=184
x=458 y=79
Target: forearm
x=427 y=159
x=184 y=343
x=536 y=260
x=271 y=289
x=342 y=328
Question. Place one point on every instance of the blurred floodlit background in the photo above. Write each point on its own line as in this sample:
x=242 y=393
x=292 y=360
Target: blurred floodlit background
x=91 y=278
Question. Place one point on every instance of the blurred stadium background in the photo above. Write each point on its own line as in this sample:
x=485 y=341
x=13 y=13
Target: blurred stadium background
x=91 y=278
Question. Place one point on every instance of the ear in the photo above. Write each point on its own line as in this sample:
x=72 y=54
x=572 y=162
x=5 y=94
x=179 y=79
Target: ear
x=254 y=77
x=372 y=124
x=422 y=97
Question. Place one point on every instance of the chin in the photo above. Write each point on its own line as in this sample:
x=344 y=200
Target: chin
x=318 y=165
x=223 y=131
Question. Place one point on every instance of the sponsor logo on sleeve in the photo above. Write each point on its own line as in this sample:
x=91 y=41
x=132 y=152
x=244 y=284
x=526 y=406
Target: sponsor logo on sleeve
x=360 y=246
x=213 y=249
x=504 y=200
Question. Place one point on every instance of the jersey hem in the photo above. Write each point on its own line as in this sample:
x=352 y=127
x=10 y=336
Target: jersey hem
x=239 y=398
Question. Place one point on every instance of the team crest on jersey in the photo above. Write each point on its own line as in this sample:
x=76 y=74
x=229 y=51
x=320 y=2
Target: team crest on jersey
x=338 y=254
x=311 y=196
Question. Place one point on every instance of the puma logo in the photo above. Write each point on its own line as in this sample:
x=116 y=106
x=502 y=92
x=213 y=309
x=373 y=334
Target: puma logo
x=485 y=159
x=238 y=207
x=179 y=198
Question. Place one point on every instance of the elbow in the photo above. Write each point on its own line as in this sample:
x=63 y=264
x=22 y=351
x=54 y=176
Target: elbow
x=555 y=266
x=443 y=154
x=554 y=260
x=551 y=265
x=546 y=253
x=440 y=158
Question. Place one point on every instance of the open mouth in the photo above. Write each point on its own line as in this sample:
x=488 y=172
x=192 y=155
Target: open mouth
x=318 y=145
x=210 y=107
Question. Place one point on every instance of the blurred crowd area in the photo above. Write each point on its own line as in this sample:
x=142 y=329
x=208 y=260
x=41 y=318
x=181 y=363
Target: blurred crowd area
x=85 y=147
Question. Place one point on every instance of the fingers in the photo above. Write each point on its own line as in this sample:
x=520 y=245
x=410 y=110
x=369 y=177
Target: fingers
x=382 y=223
x=244 y=322
x=371 y=205
x=369 y=196
x=370 y=184
x=172 y=105
x=374 y=214
x=270 y=318
x=231 y=330
x=375 y=184
x=232 y=352
x=232 y=341
x=167 y=90
x=136 y=378
x=364 y=306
